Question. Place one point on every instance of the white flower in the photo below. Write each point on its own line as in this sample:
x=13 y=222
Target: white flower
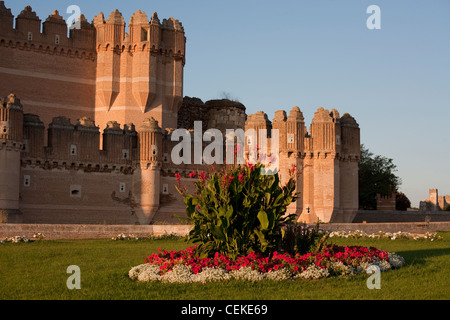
x=144 y=273
x=210 y=275
x=247 y=273
x=279 y=275
x=313 y=272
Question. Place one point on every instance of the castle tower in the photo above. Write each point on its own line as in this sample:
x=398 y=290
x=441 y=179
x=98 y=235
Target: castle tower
x=110 y=34
x=11 y=140
x=146 y=180
x=140 y=74
x=258 y=129
x=291 y=139
x=349 y=159
x=325 y=129
x=144 y=63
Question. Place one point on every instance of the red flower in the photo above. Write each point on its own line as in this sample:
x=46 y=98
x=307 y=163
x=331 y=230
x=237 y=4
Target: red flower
x=192 y=175
x=178 y=176
x=241 y=178
x=202 y=176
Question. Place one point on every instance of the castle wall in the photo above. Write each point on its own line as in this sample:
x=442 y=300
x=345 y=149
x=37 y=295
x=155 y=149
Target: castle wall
x=52 y=73
x=92 y=141
x=72 y=195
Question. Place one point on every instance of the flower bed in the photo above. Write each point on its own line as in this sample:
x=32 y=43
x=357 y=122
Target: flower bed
x=185 y=266
x=431 y=236
x=17 y=239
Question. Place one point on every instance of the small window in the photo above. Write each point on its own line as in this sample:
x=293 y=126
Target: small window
x=4 y=127
x=144 y=34
x=166 y=157
x=26 y=181
x=122 y=187
x=338 y=139
x=154 y=149
x=125 y=154
x=291 y=138
x=249 y=141
x=165 y=189
x=30 y=36
x=57 y=39
x=75 y=191
x=25 y=145
x=73 y=150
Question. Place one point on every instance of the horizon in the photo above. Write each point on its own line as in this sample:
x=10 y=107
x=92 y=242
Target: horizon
x=271 y=56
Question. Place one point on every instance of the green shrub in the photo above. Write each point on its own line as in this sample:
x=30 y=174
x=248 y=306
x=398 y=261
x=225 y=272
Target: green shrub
x=238 y=211
x=302 y=238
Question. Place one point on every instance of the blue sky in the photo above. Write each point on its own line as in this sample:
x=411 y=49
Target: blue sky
x=274 y=55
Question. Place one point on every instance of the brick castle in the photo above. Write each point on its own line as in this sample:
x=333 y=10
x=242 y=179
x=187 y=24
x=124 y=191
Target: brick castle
x=86 y=124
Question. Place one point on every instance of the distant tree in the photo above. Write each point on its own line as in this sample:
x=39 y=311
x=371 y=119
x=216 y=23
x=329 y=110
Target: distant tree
x=402 y=203
x=376 y=175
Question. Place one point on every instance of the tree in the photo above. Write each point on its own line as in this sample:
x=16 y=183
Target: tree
x=402 y=203
x=376 y=175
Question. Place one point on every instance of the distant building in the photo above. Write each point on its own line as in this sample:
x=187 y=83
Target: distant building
x=434 y=201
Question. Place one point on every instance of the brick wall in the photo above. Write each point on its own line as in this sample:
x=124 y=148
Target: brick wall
x=64 y=231
x=372 y=216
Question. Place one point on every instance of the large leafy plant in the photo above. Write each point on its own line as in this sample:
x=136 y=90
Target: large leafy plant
x=238 y=211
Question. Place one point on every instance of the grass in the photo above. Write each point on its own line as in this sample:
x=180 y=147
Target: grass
x=37 y=271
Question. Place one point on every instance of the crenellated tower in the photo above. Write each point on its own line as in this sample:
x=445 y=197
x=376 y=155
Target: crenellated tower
x=140 y=73
x=11 y=143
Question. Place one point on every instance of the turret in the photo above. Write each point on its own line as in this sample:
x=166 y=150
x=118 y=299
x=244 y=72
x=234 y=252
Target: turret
x=143 y=37
x=324 y=128
x=28 y=24
x=349 y=159
x=11 y=142
x=6 y=19
x=146 y=182
x=87 y=138
x=56 y=28
x=110 y=35
x=60 y=139
x=84 y=36
x=291 y=139
x=173 y=42
x=350 y=137
x=258 y=131
x=33 y=134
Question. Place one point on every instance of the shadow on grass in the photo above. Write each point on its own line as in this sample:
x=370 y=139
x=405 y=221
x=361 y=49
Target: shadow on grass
x=418 y=257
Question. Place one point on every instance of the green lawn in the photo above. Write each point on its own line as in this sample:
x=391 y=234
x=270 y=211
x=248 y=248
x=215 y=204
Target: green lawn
x=38 y=271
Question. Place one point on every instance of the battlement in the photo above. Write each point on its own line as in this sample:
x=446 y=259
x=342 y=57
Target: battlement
x=329 y=134
x=54 y=36
x=102 y=34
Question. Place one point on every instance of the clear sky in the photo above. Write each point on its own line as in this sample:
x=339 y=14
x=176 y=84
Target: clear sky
x=273 y=55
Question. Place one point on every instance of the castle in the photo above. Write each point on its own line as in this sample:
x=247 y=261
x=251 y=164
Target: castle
x=434 y=201
x=87 y=120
